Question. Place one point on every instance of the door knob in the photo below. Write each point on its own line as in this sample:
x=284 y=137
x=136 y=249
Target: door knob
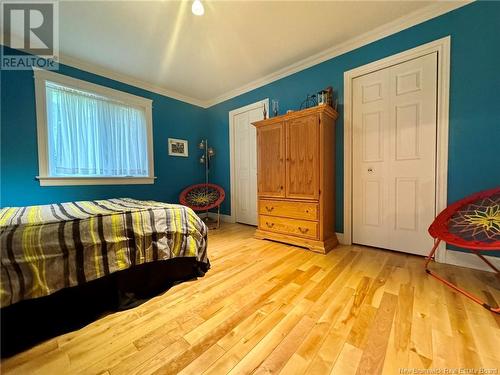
x=370 y=170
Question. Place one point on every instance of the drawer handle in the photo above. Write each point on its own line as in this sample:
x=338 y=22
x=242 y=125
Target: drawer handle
x=269 y=209
x=269 y=225
x=303 y=230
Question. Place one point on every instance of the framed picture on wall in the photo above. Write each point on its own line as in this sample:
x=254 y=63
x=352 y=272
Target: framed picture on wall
x=177 y=147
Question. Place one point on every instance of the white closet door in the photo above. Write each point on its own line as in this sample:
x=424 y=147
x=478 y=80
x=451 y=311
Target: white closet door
x=394 y=156
x=245 y=147
x=370 y=159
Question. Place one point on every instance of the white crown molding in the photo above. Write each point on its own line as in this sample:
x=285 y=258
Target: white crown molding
x=127 y=79
x=116 y=76
x=411 y=19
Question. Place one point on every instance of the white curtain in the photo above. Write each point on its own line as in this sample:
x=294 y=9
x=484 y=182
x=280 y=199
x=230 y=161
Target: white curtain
x=90 y=135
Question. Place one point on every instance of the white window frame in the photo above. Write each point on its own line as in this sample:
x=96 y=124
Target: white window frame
x=41 y=77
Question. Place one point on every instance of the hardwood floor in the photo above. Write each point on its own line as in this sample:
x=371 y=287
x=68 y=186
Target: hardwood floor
x=266 y=307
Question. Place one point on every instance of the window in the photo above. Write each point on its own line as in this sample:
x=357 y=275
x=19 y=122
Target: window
x=90 y=134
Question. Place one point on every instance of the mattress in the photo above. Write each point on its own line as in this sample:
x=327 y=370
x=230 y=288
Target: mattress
x=50 y=247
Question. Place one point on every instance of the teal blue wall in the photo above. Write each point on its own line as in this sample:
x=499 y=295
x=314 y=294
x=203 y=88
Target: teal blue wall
x=474 y=137
x=19 y=155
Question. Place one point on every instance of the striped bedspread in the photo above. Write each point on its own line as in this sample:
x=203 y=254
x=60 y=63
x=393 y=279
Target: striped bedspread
x=51 y=247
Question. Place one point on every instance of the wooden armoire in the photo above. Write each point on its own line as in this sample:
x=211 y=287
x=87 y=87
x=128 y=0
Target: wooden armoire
x=295 y=178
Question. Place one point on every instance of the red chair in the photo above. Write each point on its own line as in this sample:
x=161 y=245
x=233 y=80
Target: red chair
x=203 y=197
x=472 y=223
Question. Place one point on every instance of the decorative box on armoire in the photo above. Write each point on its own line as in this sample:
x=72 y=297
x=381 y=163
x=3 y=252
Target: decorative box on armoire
x=295 y=178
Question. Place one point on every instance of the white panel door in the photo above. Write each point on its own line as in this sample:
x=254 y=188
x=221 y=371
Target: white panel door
x=394 y=156
x=245 y=149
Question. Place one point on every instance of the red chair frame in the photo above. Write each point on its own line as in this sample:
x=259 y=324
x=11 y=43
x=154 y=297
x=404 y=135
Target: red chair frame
x=217 y=203
x=439 y=231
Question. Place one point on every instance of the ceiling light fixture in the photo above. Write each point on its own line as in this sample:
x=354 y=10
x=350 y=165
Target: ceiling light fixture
x=197 y=8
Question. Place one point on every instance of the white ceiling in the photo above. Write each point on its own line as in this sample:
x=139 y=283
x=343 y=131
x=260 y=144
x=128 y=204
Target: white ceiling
x=161 y=43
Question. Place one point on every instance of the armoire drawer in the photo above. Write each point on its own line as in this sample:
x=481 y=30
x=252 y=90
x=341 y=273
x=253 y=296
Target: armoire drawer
x=301 y=228
x=295 y=210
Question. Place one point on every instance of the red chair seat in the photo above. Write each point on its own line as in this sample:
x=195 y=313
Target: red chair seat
x=202 y=197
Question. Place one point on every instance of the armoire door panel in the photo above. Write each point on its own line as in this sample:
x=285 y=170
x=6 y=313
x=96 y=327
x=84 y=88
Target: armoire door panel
x=302 y=162
x=271 y=163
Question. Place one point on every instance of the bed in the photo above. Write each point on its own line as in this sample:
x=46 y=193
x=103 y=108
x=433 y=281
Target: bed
x=53 y=256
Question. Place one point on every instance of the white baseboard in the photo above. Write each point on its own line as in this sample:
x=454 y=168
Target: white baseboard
x=340 y=237
x=458 y=258
x=224 y=218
